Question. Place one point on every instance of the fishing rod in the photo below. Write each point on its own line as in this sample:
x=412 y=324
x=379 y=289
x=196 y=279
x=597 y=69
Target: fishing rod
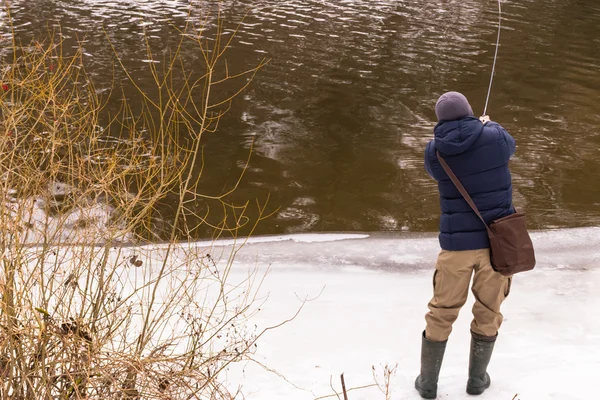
x=495 y=57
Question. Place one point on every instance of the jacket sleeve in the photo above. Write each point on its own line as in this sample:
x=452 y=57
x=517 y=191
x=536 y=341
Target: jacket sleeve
x=506 y=137
x=510 y=141
x=428 y=152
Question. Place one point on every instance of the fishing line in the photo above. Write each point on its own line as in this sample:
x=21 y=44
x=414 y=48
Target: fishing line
x=495 y=56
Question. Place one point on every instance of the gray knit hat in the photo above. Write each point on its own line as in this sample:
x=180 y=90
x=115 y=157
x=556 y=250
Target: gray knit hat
x=451 y=106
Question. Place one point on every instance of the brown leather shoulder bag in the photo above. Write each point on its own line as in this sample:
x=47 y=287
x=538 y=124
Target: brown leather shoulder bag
x=511 y=249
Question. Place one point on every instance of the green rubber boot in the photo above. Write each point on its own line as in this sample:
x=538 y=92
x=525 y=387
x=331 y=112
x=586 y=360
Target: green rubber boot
x=481 y=352
x=432 y=354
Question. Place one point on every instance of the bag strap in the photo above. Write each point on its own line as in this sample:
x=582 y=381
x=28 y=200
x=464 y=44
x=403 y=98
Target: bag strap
x=461 y=189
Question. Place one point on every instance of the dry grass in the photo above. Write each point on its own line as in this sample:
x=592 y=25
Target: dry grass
x=384 y=382
x=81 y=315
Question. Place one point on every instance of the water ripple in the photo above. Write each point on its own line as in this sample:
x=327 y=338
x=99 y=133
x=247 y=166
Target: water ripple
x=341 y=115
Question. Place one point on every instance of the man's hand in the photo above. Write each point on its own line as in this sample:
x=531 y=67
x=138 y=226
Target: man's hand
x=484 y=119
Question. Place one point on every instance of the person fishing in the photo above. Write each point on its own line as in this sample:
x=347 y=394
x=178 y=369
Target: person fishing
x=477 y=151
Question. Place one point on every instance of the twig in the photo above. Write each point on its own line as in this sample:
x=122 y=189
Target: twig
x=344 y=387
x=349 y=390
x=332 y=388
x=279 y=374
x=385 y=386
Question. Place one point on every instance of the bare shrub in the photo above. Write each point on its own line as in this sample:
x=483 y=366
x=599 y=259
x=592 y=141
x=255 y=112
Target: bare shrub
x=82 y=315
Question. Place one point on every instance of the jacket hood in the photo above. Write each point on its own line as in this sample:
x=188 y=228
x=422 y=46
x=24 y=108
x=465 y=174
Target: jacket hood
x=455 y=137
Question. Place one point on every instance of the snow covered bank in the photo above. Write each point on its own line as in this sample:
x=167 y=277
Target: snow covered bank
x=370 y=296
x=555 y=249
x=364 y=297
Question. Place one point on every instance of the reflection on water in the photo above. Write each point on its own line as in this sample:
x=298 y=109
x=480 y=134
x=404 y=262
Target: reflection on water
x=340 y=117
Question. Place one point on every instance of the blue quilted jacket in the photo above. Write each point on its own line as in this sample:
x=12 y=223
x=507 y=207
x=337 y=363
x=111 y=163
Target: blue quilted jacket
x=479 y=156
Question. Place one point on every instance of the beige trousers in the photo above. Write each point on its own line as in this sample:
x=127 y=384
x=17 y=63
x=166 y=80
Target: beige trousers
x=451 y=282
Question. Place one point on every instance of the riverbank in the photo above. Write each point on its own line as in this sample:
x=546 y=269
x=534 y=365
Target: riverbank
x=319 y=305
x=367 y=297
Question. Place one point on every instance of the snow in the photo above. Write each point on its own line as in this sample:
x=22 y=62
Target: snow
x=362 y=300
x=366 y=301
x=297 y=238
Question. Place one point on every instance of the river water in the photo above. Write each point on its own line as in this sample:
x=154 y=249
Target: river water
x=339 y=118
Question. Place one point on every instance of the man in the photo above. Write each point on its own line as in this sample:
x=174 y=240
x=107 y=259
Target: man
x=477 y=151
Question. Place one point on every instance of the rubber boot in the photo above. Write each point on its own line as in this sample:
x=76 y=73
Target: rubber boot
x=432 y=354
x=481 y=352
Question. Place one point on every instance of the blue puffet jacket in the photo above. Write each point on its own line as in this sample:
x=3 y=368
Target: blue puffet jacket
x=478 y=154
